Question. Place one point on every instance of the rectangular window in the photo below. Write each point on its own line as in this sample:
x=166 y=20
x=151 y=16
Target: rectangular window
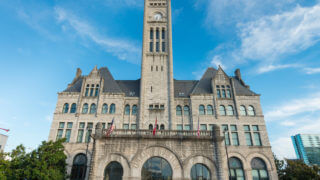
x=80 y=136
x=157 y=47
x=59 y=134
x=69 y=125
x=133 y=126
x=187 y=127
x=248 y=138
x=151 y=34
x=255 y=128
x=233 y=128
x=179 y=127
x=226 y=134
x=125 y=126
x=218 y=93
x=103 y=125
x=246 y=128
x=157 y=34
x=211 y=127
x=235 y=139
x=163 y=46
x=90 y=125
x=151 y=47
x=68 y=134
x=257 y=140
x=163 y=34
x=203 y=127
x=61 y=125
x=88 y=136
x=81 y=125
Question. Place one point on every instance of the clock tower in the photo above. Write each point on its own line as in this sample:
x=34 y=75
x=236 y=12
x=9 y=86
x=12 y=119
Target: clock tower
x=156 y=86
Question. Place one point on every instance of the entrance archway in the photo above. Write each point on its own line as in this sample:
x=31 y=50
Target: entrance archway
x=113 y=171
x=156 y=168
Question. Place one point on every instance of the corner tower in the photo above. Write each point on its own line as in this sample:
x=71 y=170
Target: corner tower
x=156 y=91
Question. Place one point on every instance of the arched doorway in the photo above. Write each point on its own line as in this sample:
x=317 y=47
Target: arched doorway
x=200 y=172
x=79 y=167
x=156 y=168
x=113 y=171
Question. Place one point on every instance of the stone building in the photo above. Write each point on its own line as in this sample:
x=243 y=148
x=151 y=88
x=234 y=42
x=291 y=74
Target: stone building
x=224 y=109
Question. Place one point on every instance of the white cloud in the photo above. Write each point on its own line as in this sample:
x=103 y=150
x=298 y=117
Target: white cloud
x=121 y=3
x=272 y=36
x=288 y=123
x=123 y=49
x=312 y=70
x=217 y=61
x=294 y=107
x=268 y=68
x=283 y=147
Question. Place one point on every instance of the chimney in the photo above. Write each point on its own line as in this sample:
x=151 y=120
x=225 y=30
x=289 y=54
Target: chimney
x=238 y=74
x=79 y=72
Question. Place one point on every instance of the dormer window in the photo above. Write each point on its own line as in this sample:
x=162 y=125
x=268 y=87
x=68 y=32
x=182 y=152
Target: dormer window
x=223 y=91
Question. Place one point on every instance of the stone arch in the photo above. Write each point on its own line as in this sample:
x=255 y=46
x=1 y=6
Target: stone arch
x=266 y=160
x=195 y=159
x=105 y=160
x=157 y=151
x=72 y=155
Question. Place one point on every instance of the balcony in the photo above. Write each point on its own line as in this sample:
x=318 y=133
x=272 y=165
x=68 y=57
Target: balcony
x=160 y=134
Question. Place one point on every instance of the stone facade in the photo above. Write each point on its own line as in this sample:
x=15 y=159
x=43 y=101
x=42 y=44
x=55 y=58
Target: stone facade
x=181 y=107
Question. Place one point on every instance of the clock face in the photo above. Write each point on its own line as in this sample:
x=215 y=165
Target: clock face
x=157 y=16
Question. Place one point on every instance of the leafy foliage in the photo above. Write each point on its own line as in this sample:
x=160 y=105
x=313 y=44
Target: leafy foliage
x=47 y=162
x=296 y=170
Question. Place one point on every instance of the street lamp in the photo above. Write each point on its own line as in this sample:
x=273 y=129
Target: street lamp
x=225 y=143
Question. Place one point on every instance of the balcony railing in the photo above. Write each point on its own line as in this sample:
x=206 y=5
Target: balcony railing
x=158 y=134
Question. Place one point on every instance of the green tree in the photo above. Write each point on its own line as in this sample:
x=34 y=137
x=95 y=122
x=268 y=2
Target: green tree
x=46 y=162
x=296 y=170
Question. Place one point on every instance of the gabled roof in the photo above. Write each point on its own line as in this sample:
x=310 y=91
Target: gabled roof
x=204 y=85
x=183 y=88
x=110 y=85
x=76 y=86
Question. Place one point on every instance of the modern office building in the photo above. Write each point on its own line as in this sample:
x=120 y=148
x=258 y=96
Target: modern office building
x=3 y=141
x=307 y=148
x=226 y=111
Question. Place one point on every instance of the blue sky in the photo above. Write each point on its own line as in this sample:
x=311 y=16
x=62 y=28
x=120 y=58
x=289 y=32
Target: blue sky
x=274 y=43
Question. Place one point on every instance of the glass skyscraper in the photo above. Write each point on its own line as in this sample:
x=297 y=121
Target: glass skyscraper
x=307 y=147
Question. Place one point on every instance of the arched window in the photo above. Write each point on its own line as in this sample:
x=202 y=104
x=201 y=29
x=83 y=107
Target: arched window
x=200 y=171
x=97 y=90
x=230 y=111
x=209 y=110
x=222 y=110
x=156 y=168
x=113 y=171
x=186 y=110
x=236 y=169
x=259 y=169
x=251 y=111
x=150 y=127
x=112 y=108
x=73 y=108
x=104 y=109
x=93 y=108
x=178 y=110
x=85 y=108
x=151 y=34
x=157 y=33
x=243 y=111
x=127 y=109
x=65 y=108
x=202 y=110
x=162 y=127
x=87 y=90
x=79 y=167
x=134 y=110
